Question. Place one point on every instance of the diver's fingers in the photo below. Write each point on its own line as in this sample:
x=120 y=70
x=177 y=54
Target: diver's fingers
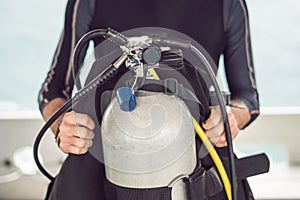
x=216 y=130
x=79 y=119
x=213 y=120
x=88 y=143
x=233 y=125
x=221 y=140
x=75 y=150
x=83 y=132
x=75 y=130
x=73 y=135
x=80 y=143
x=74 y=140
x=74 y=145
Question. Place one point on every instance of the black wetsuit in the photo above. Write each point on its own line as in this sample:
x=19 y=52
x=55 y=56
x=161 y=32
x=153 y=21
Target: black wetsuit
x=221 y=27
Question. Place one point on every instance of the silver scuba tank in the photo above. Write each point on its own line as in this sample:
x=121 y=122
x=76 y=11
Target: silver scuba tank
x=152 y=145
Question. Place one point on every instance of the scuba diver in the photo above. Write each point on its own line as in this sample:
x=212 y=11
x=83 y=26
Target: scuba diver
x=221 y=27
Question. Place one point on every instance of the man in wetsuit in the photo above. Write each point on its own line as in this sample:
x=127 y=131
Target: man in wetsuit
x=221 y=27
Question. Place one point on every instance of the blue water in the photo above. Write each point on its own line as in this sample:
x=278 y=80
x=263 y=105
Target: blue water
x=30 y=31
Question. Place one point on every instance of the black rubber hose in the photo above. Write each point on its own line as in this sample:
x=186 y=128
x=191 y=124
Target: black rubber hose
x=77 y=51
x=108 y=75
x=39 y=137
x=102 y=78
x=208 y=62
x=225 y=118
x=106 y=33
x=98 y=81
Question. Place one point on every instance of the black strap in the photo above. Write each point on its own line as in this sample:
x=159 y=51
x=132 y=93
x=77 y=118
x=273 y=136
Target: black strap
x=196 y=184
x=202 y=184
x=170 y=86
x=195 y=102
x=252 y=165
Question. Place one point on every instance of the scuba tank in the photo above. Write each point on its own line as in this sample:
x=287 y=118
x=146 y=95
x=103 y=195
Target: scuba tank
x=151 y=143
x=134 y=143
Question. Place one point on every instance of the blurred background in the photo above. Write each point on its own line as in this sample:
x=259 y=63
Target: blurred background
x=29 y=34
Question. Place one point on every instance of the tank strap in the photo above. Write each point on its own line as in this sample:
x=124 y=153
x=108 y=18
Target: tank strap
x=252 y=165
x=171 y=87
x=202 y=183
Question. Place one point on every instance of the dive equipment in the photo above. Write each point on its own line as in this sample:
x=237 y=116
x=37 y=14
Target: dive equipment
x=141 y=55
x=126 y=98
x=212 y=152
x=135 y=142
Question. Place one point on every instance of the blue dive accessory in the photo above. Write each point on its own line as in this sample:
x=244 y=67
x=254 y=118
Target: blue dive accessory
x=126 y=99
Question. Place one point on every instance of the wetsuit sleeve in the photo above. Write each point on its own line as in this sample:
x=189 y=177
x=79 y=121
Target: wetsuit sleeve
x=238 y=56
x=59 y=81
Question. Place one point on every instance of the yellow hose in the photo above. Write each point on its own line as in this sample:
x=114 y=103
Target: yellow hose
x=215 y=157
x=210 y=148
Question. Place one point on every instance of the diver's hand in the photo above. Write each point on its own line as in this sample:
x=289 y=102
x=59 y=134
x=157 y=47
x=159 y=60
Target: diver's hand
x=214 y=127
x=76 y=133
